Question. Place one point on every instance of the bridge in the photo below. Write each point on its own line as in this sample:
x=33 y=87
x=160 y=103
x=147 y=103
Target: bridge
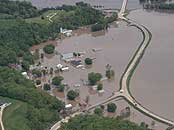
x=124 y=91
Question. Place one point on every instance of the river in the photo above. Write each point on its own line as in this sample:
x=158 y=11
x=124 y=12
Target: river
x=153 y=81
x=106 y=3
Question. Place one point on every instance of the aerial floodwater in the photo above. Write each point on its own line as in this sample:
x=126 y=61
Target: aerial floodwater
x=152 y=82
x=106 y=3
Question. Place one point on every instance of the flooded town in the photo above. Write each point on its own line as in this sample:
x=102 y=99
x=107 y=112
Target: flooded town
x=129 y=64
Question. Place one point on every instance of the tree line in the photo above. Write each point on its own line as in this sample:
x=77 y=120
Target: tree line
x=42 y=109
x=16 y=9
x=94 y=122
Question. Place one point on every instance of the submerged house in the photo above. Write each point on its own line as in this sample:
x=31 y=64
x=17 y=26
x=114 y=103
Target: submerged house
x=67 y=57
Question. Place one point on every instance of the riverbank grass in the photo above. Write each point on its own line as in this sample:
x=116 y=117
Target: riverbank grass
x=44 y=18
x=14 y=115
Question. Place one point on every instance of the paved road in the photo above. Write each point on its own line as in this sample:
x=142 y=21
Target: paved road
x=124 y=82
x=1 y=114
x=50 y=16
x=65 y=120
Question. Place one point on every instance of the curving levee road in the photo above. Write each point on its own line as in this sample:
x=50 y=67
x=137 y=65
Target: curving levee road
x=125 y=79
x=124 y=82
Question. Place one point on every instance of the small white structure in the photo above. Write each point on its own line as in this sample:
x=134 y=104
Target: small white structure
x=101 y=91
x=80 y=66
x=65 y=68
x=66 y=32
x=94 y=87
x=25 y=75
x=96 y=49
x=59 y=66
x=68 y=106
x=77 y=85
x=121 y=91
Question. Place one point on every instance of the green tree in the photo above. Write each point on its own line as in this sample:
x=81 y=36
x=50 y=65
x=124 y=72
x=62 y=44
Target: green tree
x=72 y=95
x=47 y=87
x=88 y=61
x=97 y=27
x=38 y=82
x=49 y=49
x=111 y=107
x=100 y=86
x=144 y=125
x=110 y=73
x=57 y=80
x=98 y=111
x=61 y=88
x=94 y=78
x=37 y=73
x=25 y=65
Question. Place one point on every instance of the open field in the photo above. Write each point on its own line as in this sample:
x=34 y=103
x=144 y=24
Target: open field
x=14 y=115
x=47 y=16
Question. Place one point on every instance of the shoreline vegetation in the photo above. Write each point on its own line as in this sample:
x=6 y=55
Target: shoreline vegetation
x=158 y=5
x=95 y=122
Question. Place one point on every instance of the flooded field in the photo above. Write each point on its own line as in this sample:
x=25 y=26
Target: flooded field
x=116 y=50
x=153 y=81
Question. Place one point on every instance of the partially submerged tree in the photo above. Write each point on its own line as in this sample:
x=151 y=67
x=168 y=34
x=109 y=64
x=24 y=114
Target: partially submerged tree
x=46 y=87
x=94 y=78
x=57 y=80
x=49 y=49
x=88 y=61
x=98 y=111
x=72 y=95
x=100 y=86
x=111 y=107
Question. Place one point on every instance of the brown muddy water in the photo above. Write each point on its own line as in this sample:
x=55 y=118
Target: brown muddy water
x=117 y=47
x=106 y=3
x=153 y=82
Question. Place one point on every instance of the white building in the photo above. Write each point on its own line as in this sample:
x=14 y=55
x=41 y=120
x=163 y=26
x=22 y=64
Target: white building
x=66 y=32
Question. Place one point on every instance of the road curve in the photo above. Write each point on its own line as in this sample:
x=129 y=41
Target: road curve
x=1 y=114
x=125 y=79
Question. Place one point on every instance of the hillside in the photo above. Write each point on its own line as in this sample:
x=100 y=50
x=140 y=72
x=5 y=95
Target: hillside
x=92 y=122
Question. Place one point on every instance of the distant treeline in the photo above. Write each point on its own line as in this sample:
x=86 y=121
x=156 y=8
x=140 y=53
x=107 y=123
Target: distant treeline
x=16 y=9
x=16 y=35
x=158 y=4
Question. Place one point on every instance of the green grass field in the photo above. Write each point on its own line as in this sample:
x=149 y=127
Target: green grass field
x=14 y=115
x=46 y=17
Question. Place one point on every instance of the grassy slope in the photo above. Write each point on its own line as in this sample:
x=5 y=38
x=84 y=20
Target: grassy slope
x=14 y=115
x=45 y=20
